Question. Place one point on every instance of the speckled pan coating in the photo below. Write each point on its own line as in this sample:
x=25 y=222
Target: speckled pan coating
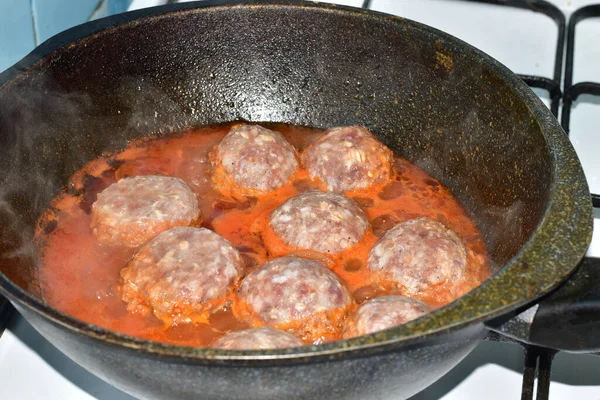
x=290 y=289
x=419 y=254
x=179 y=271
x=381 y=313
x=450 y=108
x=134 y=210
x=257 y=339
x=348 y=158
x=319 y=221
x=255 y=157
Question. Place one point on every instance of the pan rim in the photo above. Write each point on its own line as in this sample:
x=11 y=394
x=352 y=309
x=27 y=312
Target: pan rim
x=569 y=198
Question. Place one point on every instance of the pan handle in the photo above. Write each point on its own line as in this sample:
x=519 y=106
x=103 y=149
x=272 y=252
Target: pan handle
x=568 y=319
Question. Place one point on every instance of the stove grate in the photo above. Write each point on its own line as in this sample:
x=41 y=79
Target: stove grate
x=552 y=85
x=572 y=92
x=538 y=364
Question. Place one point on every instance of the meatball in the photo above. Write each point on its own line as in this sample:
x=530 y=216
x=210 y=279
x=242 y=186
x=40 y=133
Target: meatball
x=257 y=339
x=296 y=293
x=179 y=272
x=254 y=159
x=320 y=221
x=419 y=254
x=134 y=210
x=348 y=158
x=382 y=313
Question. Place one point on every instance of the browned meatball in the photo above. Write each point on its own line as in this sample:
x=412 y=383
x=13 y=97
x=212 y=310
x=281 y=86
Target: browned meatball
x=348 y=158
x=254 y=159
x=134 y=210
x=319 y=221
x=295 y=292
x=257 y=339
x=179 y=272
x=419 y=254
x=382 y=313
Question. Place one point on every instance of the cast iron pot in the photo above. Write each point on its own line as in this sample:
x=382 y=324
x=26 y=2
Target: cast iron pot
x=433 y=99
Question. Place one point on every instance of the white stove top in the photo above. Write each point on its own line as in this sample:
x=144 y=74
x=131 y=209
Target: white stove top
x=522 y=40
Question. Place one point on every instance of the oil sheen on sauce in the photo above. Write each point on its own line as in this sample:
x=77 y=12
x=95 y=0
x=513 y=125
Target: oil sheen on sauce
x=79 y=276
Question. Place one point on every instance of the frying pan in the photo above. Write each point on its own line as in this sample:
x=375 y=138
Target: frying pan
x=451 y=109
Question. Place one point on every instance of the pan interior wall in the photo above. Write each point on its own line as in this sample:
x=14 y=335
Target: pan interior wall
x=428 y=97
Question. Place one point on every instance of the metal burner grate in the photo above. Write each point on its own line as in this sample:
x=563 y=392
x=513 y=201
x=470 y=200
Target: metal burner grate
x=538 y=364
x=572 y=92
x=6 y=311
x=552 y=85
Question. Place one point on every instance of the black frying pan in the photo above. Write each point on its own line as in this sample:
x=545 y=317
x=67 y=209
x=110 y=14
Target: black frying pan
x=433 y=99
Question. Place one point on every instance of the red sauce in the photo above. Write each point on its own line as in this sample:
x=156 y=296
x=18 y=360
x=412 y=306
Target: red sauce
x=79 y=276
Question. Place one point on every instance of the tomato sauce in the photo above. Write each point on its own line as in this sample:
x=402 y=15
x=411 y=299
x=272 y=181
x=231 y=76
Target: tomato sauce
x=79 y=276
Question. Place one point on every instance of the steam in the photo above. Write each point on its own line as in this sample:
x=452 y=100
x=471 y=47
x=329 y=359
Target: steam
x=502 y=203
x=32 y=113
x=47 y=132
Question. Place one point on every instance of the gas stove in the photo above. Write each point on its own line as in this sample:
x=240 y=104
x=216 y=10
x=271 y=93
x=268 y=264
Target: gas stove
x=553 y=46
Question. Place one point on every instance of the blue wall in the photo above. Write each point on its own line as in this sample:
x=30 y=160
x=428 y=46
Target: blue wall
x=16 y=31
x=26 y=23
